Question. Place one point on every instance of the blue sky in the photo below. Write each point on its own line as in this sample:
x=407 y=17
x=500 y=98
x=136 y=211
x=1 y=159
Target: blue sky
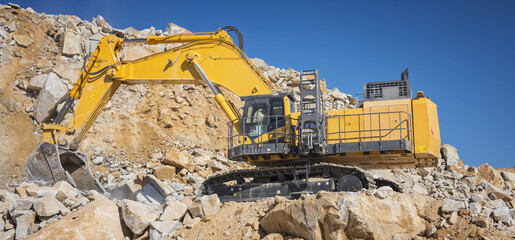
x=460 y=53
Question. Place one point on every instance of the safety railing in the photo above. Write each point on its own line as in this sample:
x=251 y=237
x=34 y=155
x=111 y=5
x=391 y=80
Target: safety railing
x=378 y=126
x=266 y=134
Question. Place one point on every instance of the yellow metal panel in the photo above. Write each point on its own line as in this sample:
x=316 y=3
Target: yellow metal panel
x=387 y=120
x=425 y=128
x=344 y=125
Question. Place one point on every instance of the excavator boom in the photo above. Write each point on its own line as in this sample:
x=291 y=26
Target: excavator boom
x=204 y=58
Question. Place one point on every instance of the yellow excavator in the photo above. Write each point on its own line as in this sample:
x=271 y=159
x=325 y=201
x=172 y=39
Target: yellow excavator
x=296 y=152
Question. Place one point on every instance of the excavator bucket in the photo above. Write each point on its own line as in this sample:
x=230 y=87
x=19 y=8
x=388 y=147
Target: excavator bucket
x=51 y=163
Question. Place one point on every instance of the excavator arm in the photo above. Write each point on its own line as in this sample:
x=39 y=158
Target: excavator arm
x=204 y=58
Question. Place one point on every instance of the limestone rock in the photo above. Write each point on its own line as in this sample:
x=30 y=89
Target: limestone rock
x=164 y=172
x=133 y=52
x=174 y=211
x=24 y=223
x=178 y=159
x=261 y=64
x=161 y=230
x=96 y=220
x=137 y=216
x=149 y=195
x=42 y=192
x=160 y=186
x=65 y=190
x=37 y=82
x=70 y=44
x=450 y=206
x=47 y=206
x=489 y=174
x=205 y=206
x=53 y=93
x=23 y=40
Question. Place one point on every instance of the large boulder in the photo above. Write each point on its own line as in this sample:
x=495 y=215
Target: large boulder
x=346 y=216
x=137 y=216
x=53 y=93
x=489 y=174
x=70 y=44
x=96 y=220
x=204 y=206
x=450 y=154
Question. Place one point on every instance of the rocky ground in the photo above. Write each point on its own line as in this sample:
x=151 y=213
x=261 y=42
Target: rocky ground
x=151 y=152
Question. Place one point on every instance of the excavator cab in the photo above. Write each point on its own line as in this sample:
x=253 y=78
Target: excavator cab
x=265 y=125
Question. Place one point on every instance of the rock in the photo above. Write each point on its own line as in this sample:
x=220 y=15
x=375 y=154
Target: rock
x=450 y=206
x=23 y=40
x=96 y=220
x=38 y=192
x=10 y=104
x=98 y=160
x=273 y=236
x=190 y=223
x=178 y=186
x=24 y=224
x=177 y=159
x=164 y=172
x=489 y=174
x=47 y=206
x=22 y=204
x=53 y=93
x=453 y=219
x=336 y=94
x=174 y=210
x=133 y=52
x=7 y=235
x=150 y=195
x=161 y=230
x=345 y=216
x=65 y=190
x=14 y=6
x=70 y=44
x=383 y=192
x=127 y=190
x=172 y=29
x=501 y=214
x=204 y=206
x=483 y=222
x=37 y=82
x=160 y=186
x=430 y=230
x=475 y=208
x=216 y=166
x=259 y=63
x=137 y=216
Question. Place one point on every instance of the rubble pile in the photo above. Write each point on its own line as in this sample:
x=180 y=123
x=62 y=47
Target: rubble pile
x=153 y=146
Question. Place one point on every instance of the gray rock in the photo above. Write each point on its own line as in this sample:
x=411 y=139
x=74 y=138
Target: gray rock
x=501 y=214
x=475 y=208
x=10 y=104
x=476 y=198
x=70 y=44
x=53 y=93
x=161 y=230
x=126 y=190
x=137 y=216
x=450 y=154
x=174 y=210
x=450 y=206
x=5 y=58
x=24 y=224
x=2 y=34
x=11 y=27
x=38 y=82
x=177 y=186
x=204 y=206
x=98 y=160
x=47 y=206
x=262 y=65
x=162 y=187
x=149 y=195
x=7 y=235
x=430 y=230
x=383 y=192
x=22 y=204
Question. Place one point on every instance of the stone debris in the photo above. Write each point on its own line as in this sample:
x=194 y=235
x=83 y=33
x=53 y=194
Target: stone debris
x=137 y=216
